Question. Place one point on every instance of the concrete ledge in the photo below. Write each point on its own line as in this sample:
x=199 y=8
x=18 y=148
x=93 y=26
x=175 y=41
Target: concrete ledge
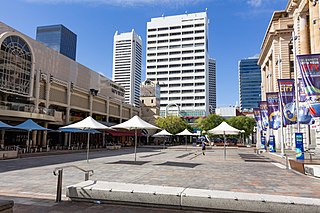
x=6 y=206
x=8 y=154
x=188 y=198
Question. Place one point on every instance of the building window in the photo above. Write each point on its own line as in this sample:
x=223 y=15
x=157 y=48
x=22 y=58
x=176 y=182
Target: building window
x=15 y=66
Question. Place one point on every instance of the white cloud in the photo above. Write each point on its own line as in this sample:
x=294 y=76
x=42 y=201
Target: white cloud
x=255 y=3
x=122 y=3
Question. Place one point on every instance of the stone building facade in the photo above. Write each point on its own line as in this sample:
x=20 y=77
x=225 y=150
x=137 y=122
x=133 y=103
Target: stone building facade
x=292 y=31
x=39 y=83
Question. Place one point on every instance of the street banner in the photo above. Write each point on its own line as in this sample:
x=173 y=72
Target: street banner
x=299 y=146
x=286 y=93
x=257 y=117
x=304 y=116
x=310 y=72
x=272 y=143
x=263 y=142
x=273 y=110
x=264 y=114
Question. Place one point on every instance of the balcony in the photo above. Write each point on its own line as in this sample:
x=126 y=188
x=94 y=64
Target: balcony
x=11 y=109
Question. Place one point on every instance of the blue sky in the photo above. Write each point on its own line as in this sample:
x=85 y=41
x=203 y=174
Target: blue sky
x=236 y=29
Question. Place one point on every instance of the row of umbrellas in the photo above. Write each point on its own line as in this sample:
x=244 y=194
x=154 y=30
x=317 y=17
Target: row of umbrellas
x=89 y=125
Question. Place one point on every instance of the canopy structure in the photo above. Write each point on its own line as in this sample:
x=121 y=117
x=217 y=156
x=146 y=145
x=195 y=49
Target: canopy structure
x=224 y=129
x=86 y=124
x=74 y=130
x=29 y=125
x=3 y=127
x=185 y=133
x=135 y=123
x=163 y=133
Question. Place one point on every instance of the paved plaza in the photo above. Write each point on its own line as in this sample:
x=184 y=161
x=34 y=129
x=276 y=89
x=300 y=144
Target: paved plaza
x=30 y=181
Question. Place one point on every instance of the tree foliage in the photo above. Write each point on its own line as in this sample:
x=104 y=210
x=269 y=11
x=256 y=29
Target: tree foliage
x=172 y=124
x=243 y=123
x=209 y=122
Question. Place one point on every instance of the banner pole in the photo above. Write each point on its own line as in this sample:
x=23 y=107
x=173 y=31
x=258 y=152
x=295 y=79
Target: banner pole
x=295 y=78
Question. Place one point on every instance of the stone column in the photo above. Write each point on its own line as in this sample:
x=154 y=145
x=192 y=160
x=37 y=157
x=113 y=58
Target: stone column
x=304 y=35
x=90 y=103
x=121 y=118
x=2 y=139
x=108 y=109
x=37 y=90
x=44 y=136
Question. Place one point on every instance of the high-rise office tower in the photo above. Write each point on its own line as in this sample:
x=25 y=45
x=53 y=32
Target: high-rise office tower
x=212 y=86
x=59 y=38
x=249 y=83
x=177 y=58
x=127 y=65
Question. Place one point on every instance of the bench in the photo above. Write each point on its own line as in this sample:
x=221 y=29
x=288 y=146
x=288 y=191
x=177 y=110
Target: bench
x=298 y=165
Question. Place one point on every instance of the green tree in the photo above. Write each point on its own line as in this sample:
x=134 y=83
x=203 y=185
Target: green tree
x=172 y=124
x=210 y=122
x=243 y=123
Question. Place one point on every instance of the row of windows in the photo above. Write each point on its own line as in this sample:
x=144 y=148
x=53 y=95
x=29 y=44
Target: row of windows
x=176 y=40
x=175 y=65
x=186 y=105
x=175 y=59
x=176 y=72
x=176 y=46
x=175 y=52
x=183 y=98
x=175 y=33
x=176 y=27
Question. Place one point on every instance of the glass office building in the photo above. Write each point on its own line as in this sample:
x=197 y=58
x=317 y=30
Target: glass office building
x=249 y=83
x=59 y=38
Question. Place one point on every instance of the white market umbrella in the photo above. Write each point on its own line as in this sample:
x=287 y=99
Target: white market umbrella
x=163 y=133
x=224 y=129
x=135 y=123
x=86 y=124
x=185 y=133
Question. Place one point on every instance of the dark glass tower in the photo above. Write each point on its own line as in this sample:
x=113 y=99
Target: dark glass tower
x=249 y=83
x=59 y=38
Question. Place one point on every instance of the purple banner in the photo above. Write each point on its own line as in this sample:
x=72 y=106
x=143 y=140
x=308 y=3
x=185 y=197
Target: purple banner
x=264 y=114
x=304 y=116
x=310 y=72
x=257 y=117
x=286 y=93
x=273 y=110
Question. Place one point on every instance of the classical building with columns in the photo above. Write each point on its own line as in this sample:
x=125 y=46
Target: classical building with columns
x=38 y=82
x=292 y=31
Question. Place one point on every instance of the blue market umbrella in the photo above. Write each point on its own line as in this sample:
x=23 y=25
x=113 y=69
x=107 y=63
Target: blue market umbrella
x=4 y=126
x=29 y=125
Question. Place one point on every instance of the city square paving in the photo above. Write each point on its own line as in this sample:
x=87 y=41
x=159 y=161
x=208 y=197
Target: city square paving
x=241 y=171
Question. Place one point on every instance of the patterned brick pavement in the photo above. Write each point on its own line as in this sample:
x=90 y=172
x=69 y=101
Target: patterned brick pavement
x=242 y=171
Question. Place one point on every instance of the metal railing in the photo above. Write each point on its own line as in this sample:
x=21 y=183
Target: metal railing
x=59 y=171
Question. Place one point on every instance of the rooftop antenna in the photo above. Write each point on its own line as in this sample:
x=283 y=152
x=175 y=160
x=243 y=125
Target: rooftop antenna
x=186 y=12
x=162 y=15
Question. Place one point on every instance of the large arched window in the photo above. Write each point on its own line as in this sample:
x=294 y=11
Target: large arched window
x=15 y=66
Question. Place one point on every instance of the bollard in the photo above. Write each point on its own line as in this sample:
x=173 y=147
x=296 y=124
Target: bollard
x=86 y=176
x=59 y=186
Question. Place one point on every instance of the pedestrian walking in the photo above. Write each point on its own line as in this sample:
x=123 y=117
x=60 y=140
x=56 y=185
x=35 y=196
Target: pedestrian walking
x=203 y=147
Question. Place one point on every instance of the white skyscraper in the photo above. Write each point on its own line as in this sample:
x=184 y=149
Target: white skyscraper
x=177 y=57
x=127 y=64
x=212 y=85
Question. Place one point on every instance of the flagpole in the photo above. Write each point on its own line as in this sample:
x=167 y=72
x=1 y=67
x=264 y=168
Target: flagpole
x=281 y=111
x=295 y=78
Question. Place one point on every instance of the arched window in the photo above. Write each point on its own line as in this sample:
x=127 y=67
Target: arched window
x=15 y=66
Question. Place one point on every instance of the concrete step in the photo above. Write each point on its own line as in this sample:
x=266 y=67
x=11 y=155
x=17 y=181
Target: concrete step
x=187 y=198
x=313 y=170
